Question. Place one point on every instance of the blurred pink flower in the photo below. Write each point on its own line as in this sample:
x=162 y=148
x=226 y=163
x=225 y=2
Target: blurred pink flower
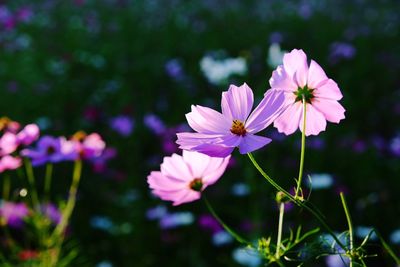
x=9 y=163
x=297 y=79
x=218 y=134
x=183 y=178
x=8 y=143
x=29 y=134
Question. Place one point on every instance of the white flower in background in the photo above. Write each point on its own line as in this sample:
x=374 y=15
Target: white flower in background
x=218 y=71
x=275 y=55
x=247 y=257
x=221 y=238
x=320 y=181
x=362 y=231
x=395 y=237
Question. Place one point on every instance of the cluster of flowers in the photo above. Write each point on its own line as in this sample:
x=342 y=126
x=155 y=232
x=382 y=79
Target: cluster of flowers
x=15 y=144
x=55 y=149
x=295 y=85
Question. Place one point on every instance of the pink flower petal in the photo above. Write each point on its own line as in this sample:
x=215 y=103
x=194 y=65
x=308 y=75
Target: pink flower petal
x=189 y=140
x=171 y=195
x=315 y=121
x=215 y=168
x=281 y=80
x=214 y=150
x=207 y=120
x=266 y=112
x=332 y=110
x=176 y=167
x=295 y=65
x=316 y=75
x=190 y=196
x=197 y=162
x=252 y=142
x=158 y=181
x=328 y=90
x=212 y=145
x=237 y=102
x=288 y=121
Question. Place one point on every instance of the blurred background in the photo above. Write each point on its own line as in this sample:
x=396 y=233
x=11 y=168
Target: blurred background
x=130 y=70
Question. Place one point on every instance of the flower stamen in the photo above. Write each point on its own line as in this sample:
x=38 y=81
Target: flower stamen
x=196 y=184
x=305 y=92
x=238 y=128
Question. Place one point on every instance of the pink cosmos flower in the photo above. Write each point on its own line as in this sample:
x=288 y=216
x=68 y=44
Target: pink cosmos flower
x=183 y=178
x=8 y=143
x=297 y=79
x=218 y=134
x=9 y=163
x=29 y=134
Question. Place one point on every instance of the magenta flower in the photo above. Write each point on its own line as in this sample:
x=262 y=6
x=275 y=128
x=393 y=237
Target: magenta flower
x=8 y=143
x=218 y=134
x=29 y=134
x=9 y=163
x=183 y=178
x=297 y=79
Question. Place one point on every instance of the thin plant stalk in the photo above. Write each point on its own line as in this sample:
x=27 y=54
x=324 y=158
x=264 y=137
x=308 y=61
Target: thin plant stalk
x=6 y=187
x=59 y=232
x=31 y=180
x=280 y=225
x=223 y=224
x=66 y=214
x=303 y=148
x=350 y=224
x=47 y=181
x=296 y=201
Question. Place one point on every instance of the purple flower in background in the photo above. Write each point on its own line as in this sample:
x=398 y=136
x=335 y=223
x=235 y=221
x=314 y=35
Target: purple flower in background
x=208 y=222
x=122 y=125
x=48 y=149
x=394 y=146
x=340 y=50
x=174 y=220
x=156 y=212
x=13 y=214
x=217 y=134
x=24 y=14
x=100 y=162
x=275 y=38
x=154 y=123
x=51 y=211
x=174 y=69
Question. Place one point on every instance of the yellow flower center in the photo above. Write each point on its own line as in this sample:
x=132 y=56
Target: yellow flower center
x=238 y=128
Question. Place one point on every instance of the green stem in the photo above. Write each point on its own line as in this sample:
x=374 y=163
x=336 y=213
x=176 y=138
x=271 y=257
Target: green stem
x=350 y=223
x=296 y=201
x=388 y=248
x=31 y=180
x=47 y=181
x=58 y=233
x=6 y=187
x=66 y=214
x=278 y=243
x=303 y=148
x=227 y=228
